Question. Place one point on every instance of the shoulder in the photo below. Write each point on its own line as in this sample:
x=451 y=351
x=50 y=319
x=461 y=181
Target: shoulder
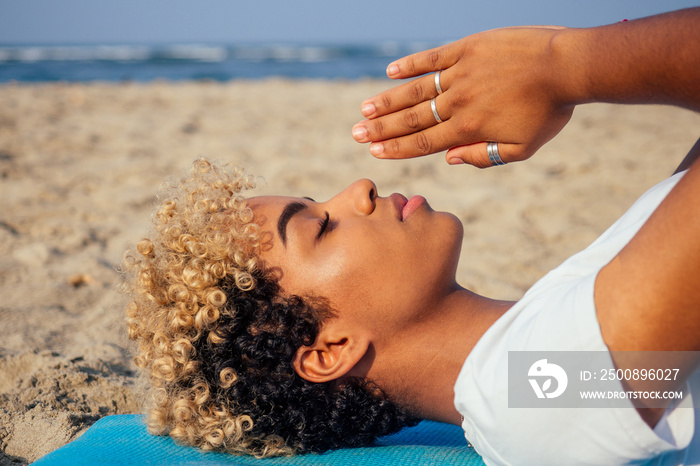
x=557 y=314
x=504 y=434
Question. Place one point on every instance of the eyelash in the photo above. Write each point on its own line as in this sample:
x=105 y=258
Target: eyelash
x=323 y=225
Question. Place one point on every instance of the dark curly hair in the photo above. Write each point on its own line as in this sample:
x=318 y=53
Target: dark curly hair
x=258 y=342
x=217 y=335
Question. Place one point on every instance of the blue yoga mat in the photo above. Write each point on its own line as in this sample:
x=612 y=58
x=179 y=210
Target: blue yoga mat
x=123 y=439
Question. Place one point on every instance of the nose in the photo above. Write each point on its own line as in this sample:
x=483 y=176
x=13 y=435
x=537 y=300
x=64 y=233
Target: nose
x=362 y=195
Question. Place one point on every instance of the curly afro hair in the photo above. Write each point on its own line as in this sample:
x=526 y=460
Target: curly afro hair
x=217 y=335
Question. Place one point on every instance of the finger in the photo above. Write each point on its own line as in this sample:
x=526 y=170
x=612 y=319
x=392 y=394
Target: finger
x=477 y=154
x=429 y=141
x=403 y=96
x=423 y=62
x=401 y=123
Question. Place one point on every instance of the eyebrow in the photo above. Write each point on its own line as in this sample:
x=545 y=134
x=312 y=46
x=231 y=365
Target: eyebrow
x=288 y=212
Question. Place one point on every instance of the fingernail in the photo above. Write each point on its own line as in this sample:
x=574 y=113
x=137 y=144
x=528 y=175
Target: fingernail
x=368 y=109
x=392 y=69
x=455 y=161
x=359 y=132
x=376 y=149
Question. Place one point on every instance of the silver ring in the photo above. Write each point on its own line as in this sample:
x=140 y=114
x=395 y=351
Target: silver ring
x=435 y=113
x=494 y=156
x=438 y=88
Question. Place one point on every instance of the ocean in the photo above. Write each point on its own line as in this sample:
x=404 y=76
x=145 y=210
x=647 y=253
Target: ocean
x=83 y=63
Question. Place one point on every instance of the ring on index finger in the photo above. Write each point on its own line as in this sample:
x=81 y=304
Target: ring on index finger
x=438 y=88
x=434 y=109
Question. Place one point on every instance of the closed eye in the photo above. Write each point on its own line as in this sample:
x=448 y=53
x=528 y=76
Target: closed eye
x=323 y=225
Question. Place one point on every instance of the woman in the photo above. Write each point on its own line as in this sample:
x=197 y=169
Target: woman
x=273 y=325
x=217 y=334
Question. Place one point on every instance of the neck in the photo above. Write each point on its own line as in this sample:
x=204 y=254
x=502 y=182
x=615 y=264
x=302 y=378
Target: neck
x=432 y=352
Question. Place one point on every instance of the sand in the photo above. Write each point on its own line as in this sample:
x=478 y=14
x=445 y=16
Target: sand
x=79 y=168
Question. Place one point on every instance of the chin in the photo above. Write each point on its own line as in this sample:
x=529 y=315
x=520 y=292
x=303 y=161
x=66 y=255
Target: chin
x=451 y=233
x=452 y=225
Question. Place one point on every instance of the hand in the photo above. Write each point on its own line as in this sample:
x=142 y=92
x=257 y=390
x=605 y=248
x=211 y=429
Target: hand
x=501 y=85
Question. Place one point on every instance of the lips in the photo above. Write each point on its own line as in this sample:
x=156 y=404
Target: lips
x=405 y=207
x=411 y=206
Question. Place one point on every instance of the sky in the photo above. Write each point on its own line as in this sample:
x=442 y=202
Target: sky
x=296 y=21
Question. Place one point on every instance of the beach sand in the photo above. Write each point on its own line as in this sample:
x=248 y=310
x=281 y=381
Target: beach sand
x=80 y=166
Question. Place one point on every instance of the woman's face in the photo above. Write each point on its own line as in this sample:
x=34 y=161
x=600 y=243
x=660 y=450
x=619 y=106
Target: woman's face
x=380 y=261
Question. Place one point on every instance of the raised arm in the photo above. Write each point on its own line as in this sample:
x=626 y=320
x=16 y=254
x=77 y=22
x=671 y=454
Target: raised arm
x=648 y=297
x=518 y=86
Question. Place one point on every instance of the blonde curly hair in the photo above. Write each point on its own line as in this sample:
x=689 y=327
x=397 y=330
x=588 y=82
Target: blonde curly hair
x=217 y=335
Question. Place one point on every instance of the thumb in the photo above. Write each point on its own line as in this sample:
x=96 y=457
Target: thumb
x=478 y=156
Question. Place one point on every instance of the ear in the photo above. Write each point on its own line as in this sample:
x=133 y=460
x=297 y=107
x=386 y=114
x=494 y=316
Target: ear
x=329 y=357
